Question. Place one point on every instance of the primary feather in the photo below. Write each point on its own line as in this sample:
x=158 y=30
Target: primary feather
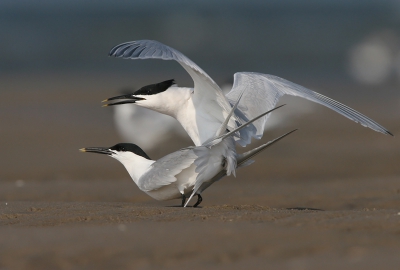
x=263 y=93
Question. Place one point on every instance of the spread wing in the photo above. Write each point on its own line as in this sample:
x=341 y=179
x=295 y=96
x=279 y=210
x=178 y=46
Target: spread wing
x=163 y=172
x=207 y=93
x=263 y=92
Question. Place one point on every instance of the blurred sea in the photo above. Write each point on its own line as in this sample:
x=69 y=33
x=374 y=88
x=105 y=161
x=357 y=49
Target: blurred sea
x=298 y=39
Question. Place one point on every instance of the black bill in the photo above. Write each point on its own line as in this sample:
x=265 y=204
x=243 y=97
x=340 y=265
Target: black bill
x=128 y=99
x=98 y=150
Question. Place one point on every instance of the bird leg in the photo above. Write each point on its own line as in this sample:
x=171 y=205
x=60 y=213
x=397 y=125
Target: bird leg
x=183 y=199
x=199 y=200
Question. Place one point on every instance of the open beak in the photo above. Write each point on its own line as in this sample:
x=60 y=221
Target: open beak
x=98 y=150
x=130 y=98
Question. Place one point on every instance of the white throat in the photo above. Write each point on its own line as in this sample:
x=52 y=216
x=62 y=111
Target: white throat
x=134 y=164
x=200 y=119
x=169 y=102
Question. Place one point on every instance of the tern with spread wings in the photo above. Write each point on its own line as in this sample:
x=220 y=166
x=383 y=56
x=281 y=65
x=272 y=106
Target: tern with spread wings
x=202 y=109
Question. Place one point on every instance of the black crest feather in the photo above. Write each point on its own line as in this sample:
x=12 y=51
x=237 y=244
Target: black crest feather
x=125 y=147
x=155 y=88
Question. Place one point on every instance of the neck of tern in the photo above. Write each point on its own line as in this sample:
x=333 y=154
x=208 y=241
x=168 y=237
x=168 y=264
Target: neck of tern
x=135 y=165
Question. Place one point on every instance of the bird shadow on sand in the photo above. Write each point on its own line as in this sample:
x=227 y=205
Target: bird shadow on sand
x=180 y=206
x=304 y=209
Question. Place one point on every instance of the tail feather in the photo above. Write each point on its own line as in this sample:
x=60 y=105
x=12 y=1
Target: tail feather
x=221 y=137
x=222 y=129
x=191 y=196
x=242 y=161
x=245 y=157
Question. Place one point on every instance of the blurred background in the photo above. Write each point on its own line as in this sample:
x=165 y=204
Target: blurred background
x=54 y=73
x=60 y=208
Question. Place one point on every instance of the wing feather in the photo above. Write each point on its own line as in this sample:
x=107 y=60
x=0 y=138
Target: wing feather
x=262 y=94
x=158 y=51
x=164 y=171
x=207 y=93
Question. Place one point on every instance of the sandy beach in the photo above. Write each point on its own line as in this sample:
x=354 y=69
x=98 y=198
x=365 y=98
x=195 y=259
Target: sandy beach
x=259 y=226
x=326 y=197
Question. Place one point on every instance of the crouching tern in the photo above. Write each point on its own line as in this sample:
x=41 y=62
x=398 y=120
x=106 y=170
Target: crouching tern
x=188 y=171
x=202 y=109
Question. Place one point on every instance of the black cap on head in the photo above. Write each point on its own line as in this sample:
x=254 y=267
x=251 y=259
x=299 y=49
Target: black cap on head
x=130 y=147
x=155 y=88
x=151 y=89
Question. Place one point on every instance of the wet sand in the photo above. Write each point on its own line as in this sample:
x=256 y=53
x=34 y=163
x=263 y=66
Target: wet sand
x=258 y=224
x=326 y=197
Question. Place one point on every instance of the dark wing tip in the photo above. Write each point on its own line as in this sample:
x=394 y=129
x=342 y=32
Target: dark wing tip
x=115 y=48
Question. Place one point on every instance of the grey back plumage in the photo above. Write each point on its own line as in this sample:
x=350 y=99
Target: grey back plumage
x=164 y=171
